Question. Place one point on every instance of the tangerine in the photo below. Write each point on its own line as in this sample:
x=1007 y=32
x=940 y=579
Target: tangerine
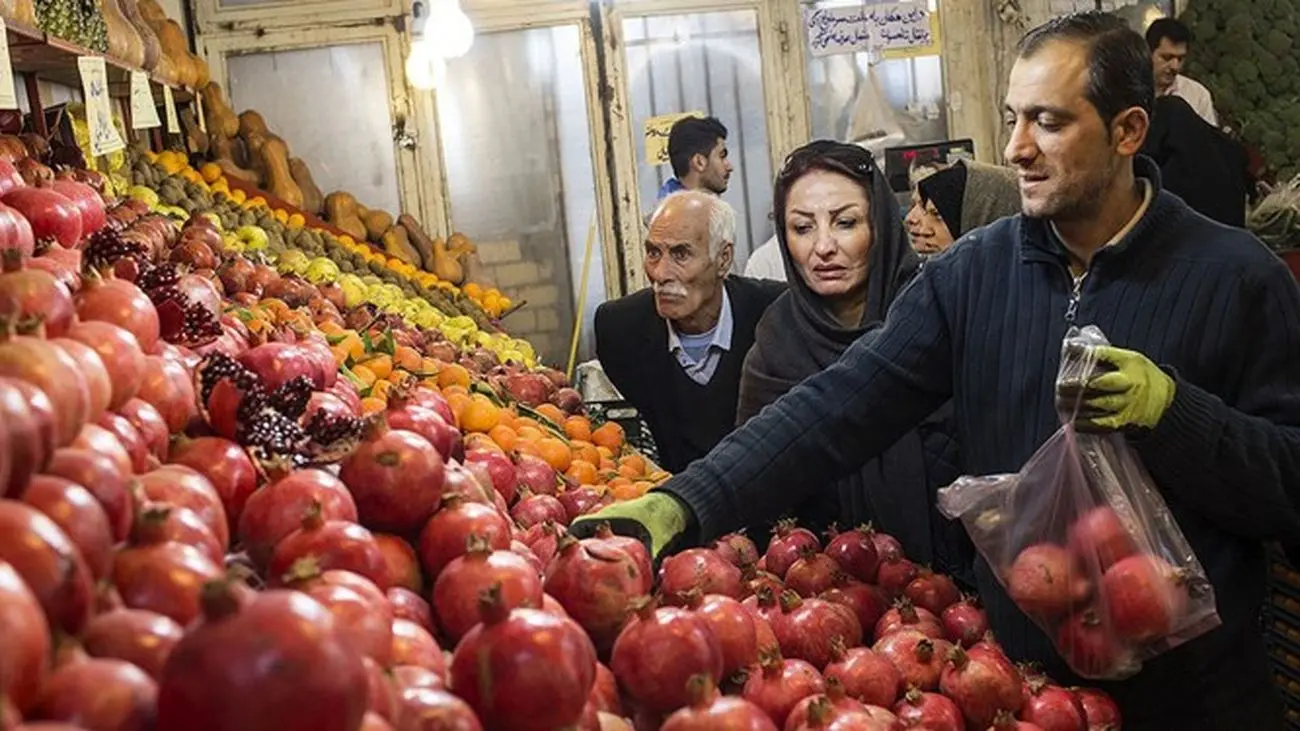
x=372 y=405
x=609 y=435
x=582 y=472
x=407 y=358
x=381 y=390
x=624 y=492
x=555 y=452
x=578 y=427
x=480 y=415
x=633 y=461
x=381 y=365
x=364 y=374
x=529 y=448
x=458 y=403
x=529 y=433
x=585 y=451
x=552 y=413
x=504 y=437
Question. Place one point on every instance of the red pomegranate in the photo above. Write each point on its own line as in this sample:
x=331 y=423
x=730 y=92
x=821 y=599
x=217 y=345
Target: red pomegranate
x=805 y=628
x=403 y=564
x=1144 y=597
x=33 y=293
x=1045 y=582
x=541 y=667
x=780 y=684
x=396 y=478
x=49 y=563
x=499 y=468
x=142 y=460
x=321 y=544
x=142 y=638
x=965 y=623
x=101 y=441
x=84 y=467
x=99 y=693
x=604 y=692
x=1098 y=539
x=159 y=522
x=1053 y=708
x=635 y=549
x=982 y=682
x=532 y=509
x=1007 y=722
x=812 y=574
x=737 y=549
x=920 y=660
x=1089 y=645
x=28 y=416
x=457 y=589
x=362 y=621
x=929 y=711
x=732 y=625
x=1100 y=709
x=120 y=353
x=932 y=591
x=444 y=437
x=864 y=675
x=186 y=488
x=787 y=544
x=26 y=653
x=413 y=645
x=445 y=535
x=121 y=303
x=425 y=709
x=710 y=711
x=164 y=578
x=151 y=426
x=895 y=573
x=683 y=639
x=828 y=711
x=168 y=387
x=867 y=602
x=99 y=385
x=410 y=606
x=49 y=368
x=698 y=569
x=595 y=583
x=227 y=467
x=905 y=615
x=248 y=645
x=276 y=510
x=855 y=553
x=79 y=515
x=52 y=216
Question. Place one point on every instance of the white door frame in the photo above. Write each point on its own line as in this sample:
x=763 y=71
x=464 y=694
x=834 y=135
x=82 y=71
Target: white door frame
x=212 y=18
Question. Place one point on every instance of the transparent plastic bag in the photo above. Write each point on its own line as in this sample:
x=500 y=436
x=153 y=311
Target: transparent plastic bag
x=1085 y=545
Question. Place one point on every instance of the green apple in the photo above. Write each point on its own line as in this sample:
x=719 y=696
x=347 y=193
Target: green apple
x=253 y=237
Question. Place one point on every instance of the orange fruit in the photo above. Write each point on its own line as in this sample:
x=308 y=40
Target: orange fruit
x=527 y=421
x=582 y=472
x=609 y=435
x=628 y=471
x=372 y=405
x=577 y=427
x=624 y=492
x=449 y=390
x=366 y=375
x=408 y=358
x=529 y=433
x=458 y=403
x=480 y=415
x=633 y=461
x=330 y=327
x=555 y=452
x=504 y=436
x=614 y=480
x=585 y=451
x=552 y=413
x=430 y=365
x=608 y=464
x=340 y=354
x=529 y=448
x=453 y=374
x=380 y=365
x=381 y=389
x=605 y=452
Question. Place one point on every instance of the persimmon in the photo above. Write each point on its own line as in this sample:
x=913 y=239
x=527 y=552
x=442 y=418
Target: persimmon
x=582 y=472
x=453 y=374
x=578 y=427
x=480 y=415
x=552 y=413
x=504 y=436
x=610 y=435
x=555 y=452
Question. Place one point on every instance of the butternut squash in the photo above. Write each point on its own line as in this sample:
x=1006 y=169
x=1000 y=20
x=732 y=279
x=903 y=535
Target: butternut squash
x=341 y=210
x=172 y=39
x=124 y=42
x=312 y=199
x=196 y=139
x=445 y=266
x=223 y=154
x=377 y=224
x=251 y=123
x=253 y=143
x=19 y=11
x=152 y=48
x=460 y=245
x=396 y=243
x=279 y=181
x=221 y=118
x=419 y=238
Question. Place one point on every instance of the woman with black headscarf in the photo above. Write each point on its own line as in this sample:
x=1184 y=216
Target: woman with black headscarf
x=846 y=258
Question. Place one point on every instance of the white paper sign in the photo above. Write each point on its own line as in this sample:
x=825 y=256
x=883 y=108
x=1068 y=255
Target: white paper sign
x=868 y=28
x=198 y=103
x=144 y=112
x=99 y=108
x=8 y=99
x=169 y=102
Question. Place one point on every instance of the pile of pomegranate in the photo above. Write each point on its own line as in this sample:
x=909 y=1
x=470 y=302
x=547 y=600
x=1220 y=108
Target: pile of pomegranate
x=199 y=532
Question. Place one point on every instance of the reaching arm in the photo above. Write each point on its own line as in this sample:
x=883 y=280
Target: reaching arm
x=830 y=424
x=1239 y=464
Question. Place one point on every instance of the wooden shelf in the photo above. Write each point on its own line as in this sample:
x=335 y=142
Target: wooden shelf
x=32 y=51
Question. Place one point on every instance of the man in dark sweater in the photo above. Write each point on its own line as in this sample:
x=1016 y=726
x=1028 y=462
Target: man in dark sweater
x=1205 y=323
x=675 y=350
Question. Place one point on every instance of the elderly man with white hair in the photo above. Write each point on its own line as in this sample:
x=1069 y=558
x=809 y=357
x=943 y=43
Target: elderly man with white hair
x=675 y=350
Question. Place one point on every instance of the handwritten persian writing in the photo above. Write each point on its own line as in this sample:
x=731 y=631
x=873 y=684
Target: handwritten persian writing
x=169 y=106
x=868 y=28
x=656 y=136
x=8 y=99
x=99 y=109
x=144 y=111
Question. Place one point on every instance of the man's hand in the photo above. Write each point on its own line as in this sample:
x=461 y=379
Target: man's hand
x=1131 y=391
x=655 y=519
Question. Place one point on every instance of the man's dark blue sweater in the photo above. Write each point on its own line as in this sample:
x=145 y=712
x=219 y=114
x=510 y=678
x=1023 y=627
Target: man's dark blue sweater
x=983 y=325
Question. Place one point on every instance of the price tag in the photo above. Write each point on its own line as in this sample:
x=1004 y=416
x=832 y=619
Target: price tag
x=99 y=109
x=198 y=102
x=144 y=113
x=8 y=100
x=173 y=126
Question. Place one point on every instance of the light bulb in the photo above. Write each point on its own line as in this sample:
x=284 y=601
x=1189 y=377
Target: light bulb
x=425 y=67
x=449 y=29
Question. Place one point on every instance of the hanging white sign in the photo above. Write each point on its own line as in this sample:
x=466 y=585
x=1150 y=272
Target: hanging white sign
x=873 y=28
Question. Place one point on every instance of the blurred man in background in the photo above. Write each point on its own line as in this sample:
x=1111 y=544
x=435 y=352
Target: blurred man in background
x=1169 y=41
x=697 y=150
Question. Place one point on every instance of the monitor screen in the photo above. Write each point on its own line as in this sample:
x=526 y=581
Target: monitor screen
x=899 y=160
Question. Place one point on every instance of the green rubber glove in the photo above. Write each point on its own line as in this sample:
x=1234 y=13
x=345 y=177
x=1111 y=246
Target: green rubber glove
x=656 y=519
x=1132 y=392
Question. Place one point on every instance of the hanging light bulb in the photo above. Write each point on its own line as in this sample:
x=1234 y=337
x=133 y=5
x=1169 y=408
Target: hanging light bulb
x=425 y=67
x=449 y=29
